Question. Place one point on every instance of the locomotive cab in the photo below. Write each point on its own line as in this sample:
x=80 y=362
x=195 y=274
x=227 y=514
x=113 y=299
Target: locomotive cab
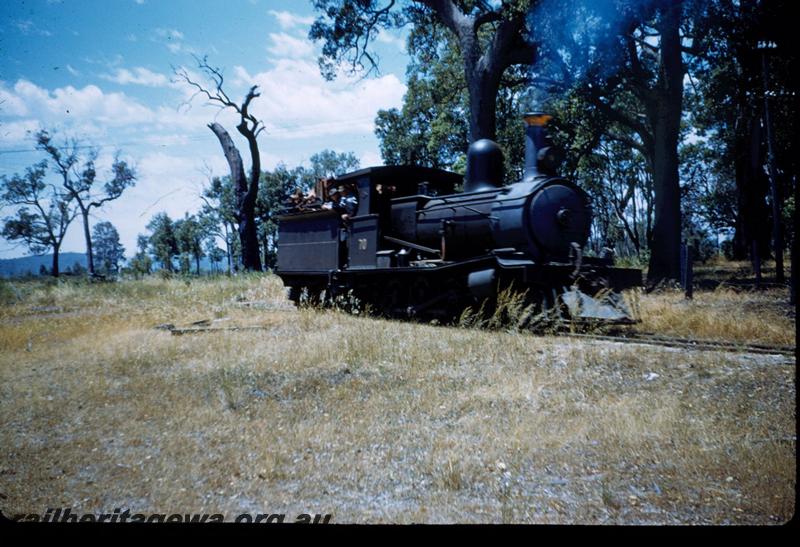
x=311 y=242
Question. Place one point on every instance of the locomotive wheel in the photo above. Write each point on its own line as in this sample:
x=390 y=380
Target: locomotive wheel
x=420 y=290
x=418 y=294
x=389 y=297
x=305 y=295
x=313 y=296
x=456 y=301
x=548 y=309
x=294 y=294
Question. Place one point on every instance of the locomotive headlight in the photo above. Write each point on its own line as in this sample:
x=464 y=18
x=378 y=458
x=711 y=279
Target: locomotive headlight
x=563 y=215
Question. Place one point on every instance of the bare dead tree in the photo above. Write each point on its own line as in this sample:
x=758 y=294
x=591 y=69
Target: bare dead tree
x=249 y=127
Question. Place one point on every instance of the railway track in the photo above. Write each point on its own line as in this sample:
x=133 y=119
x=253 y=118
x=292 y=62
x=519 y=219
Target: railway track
x=629 y=337
x=685 y=343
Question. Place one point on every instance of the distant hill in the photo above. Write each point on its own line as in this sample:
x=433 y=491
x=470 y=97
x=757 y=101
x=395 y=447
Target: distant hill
x=30 y=265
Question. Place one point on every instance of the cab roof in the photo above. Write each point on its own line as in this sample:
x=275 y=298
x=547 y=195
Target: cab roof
x=405 y=176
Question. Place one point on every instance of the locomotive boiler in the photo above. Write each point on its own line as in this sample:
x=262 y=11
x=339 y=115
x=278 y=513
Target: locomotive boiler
x=416 y=247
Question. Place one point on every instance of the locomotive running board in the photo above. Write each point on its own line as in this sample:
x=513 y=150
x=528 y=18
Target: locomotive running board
x=415 y=246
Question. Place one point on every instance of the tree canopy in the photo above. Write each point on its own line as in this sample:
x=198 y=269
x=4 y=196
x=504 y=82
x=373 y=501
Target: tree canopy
x=43 y=214
x=490 y=39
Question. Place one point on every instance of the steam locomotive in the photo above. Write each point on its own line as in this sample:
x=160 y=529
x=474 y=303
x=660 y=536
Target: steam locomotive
x=417 y=247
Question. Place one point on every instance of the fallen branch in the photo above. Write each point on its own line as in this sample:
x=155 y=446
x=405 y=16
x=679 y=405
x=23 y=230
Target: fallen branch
x=195 y=330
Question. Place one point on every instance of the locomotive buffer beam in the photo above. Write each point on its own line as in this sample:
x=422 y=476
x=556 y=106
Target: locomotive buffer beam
x=610 y=308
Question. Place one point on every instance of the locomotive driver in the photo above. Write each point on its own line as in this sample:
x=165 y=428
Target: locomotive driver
x=343 y=201
x=348 y=202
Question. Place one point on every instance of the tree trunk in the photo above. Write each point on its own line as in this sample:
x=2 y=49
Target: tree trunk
x=248 y=234
x=227 y=246
x=228 y=253
x=665 y=118
x=755 y=202
x=54 y=272
x=775 y=190
x=484 y=59
x=251 y=257
x=740 y=241
x=483 y=90
x=665 y=246
x=482 y=74
x=251 y=254
x=88 y=236
x=751 y=193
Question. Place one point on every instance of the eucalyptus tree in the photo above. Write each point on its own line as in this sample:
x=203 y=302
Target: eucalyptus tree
x=490 y=37
x=43 y=211
x=79 y=177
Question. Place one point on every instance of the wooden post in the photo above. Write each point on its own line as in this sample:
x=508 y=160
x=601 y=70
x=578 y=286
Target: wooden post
x=686 y=270
x=793 y=278
x=756 y=263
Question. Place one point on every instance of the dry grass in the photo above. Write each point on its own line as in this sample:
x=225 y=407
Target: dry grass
x=723 y=314
x=377 y=421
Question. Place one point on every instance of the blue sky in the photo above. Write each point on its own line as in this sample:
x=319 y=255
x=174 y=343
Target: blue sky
x=102 y=71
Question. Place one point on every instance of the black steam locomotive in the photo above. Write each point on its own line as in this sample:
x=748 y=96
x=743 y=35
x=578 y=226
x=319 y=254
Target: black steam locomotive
x=416 y=247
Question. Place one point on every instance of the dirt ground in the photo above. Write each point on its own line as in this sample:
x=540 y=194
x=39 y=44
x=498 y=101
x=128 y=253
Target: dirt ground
x=376 y=421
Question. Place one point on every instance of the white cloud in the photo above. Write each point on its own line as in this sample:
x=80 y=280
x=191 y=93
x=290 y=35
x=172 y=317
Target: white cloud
x=92 y=112
x=137 y=76
x=72 y=70
x=28 y=27
x=11 y=104
x=386 y=37
x=288 y=20
x=370 y=159
x=241 y=77
x=16 y=134
x=286 y=46
x=169 y=33
x=88 y=104
x=167 y=182
x=105 y=61
x=88 y=112
x=173 y=39
x=297 y=102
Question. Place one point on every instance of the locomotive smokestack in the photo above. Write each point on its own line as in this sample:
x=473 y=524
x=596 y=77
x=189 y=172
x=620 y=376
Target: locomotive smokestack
x=484 y=166
x=538 y=150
